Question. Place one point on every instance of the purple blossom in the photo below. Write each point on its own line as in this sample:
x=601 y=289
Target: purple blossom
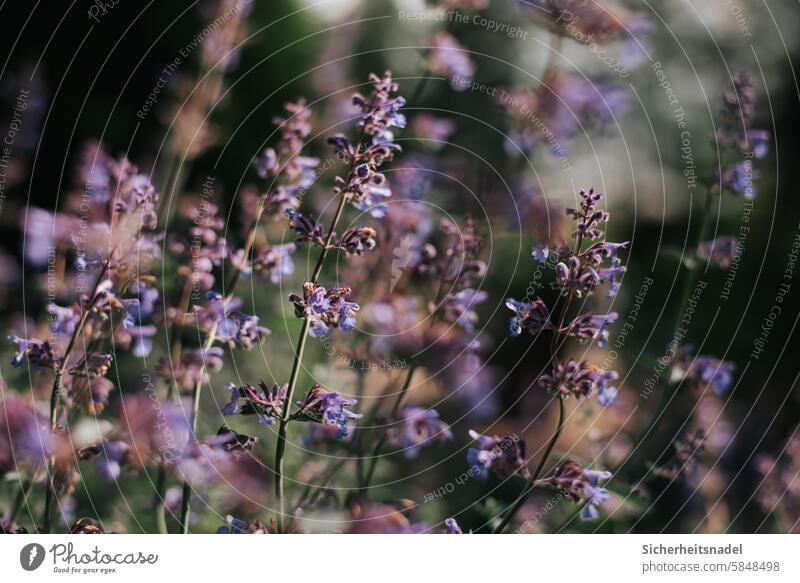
x=236 y=526
x=718 y=373
x=571 y=378
x=266 y=404
x=193 y=367
x=381 y=111
x=25 y=437
x=138 y=338
x=540 y=253
x=705 y=370
x=502 y=455
x=275 y=261
x=533 y=317
x=458 y=308
x=325 y=308
x=433 y=130
x=720 y=252
x=448 y=58
x=419 y=427
x=110 y=457
x=587 y=327
x=63 y=320
x=579 y=483
x=37 y=352
x=606 y=395
x=452 y=526
x=222 y=315
x=326 y=407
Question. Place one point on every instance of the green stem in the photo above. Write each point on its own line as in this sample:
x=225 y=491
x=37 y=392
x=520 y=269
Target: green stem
x=379 y=445
x=532 y=483
x=160 y=504
x=55 y=394
x=21 y=498
x=187 y=487
x=280 y=446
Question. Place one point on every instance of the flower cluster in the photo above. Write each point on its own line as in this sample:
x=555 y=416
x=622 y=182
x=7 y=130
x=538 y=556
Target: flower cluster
x=221 y=315
x=326 y=407
x=266 y=404
x=502 y=455
x=364 y=185
x=578 y=379
x=578 y=273
x=354 y=241
x=192 y=368
x=325 y=308
x=448 y=58
x=580 y=483
x=704 y=371
x=720 y=252
x=738 y=144
x=418 y=427
x=290 y=171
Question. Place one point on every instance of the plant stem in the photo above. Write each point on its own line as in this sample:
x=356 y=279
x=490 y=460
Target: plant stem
x=379 y=445
x=235 y=278
x=187 y=487
x=532 y=484
x=50 y=495
x=280 y=446
x=176 y=348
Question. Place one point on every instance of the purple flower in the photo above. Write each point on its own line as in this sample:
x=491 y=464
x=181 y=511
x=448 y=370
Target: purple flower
x=435 y=131
x=540 y=253
x=110 y=457
x=718 y=373
x=705 y=370
x=381 y=111
x=720 y=252
x=458 y=307
x=237 y=526
x=563 y=107
x=594 y=497
x=230 y=325
x=448 y=58
x=571 y=378
x=357 y=241
x=613 y=275
x=503 y=455
x=757 y=142
x=740 y=179
x=452 y=526
x=326 y=407
x=266 y=404
x=25 y=437
x=192 y=368
x=418 y=428
x=533 y=317
x=606 y=395
x=587 y=327
x=275 y=261
x=38 y=352
x=325 y=308
x=63 y=320
x=579 y=483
